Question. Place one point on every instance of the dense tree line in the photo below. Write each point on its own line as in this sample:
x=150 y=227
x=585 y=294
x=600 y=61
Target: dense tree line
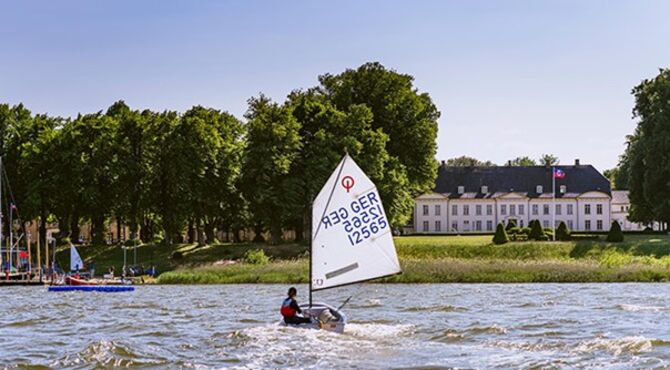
x=644 y=168
x=161 y=173
x=465 y=161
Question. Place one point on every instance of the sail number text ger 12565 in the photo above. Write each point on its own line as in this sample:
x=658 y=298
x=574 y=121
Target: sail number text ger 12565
x=363 y=218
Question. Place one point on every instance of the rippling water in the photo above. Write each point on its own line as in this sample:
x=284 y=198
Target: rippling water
x=391 y=326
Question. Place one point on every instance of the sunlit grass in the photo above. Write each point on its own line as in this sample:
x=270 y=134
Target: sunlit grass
x=425 y=259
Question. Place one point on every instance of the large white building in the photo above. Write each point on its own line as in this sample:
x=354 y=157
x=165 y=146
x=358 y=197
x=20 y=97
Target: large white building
x=476 y=199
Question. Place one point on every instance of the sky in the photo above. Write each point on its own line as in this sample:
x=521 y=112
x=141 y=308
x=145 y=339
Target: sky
x=510 y=78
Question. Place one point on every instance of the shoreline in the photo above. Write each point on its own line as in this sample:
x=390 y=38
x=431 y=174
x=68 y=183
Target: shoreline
x=433 y=272
x=424 y=259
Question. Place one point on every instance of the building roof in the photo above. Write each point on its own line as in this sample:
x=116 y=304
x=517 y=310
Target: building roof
x=501 y=180
x=620 y=197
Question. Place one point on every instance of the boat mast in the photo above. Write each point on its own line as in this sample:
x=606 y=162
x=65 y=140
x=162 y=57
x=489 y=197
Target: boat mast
x=311 y=205
x=1 y=210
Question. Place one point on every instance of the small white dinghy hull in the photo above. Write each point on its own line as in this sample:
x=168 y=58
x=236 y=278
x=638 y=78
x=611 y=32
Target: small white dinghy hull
x=326 y=317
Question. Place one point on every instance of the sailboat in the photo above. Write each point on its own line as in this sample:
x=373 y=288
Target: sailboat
x=351 y=241
x=15 y=258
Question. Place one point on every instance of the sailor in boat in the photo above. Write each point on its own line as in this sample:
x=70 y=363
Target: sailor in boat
x=290 y=309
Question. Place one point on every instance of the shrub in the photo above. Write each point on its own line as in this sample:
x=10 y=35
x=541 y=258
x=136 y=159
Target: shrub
x=562 y=233
x=177 y=255
x=511 y=224
x=525 y=230
x=548 y=232
x=513 y=231
x=501 y=235
x=256 y=257
x=615 y=235
x=535 y=230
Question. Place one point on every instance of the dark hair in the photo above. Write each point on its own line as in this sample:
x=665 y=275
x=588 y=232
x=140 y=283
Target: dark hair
x=292 y=291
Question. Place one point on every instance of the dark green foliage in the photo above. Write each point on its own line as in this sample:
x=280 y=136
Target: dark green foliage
x=548 y=160
x=525 y=230
x=645 y=165
x=522 y=162
x=536 y=232
x=500 y=236
x=273 y=144
x=562 y=233
x=409 y=119
x=465 y=161
x=615 y=235
x=510 y=224
x=176 y=255
x=161 y=173
x=513 y=230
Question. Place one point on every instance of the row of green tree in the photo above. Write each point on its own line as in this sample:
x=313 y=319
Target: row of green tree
x=466 y=161
x=203 y=170
x=644 y=167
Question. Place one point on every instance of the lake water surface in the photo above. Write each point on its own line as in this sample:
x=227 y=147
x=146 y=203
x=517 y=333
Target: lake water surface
x=391 y=326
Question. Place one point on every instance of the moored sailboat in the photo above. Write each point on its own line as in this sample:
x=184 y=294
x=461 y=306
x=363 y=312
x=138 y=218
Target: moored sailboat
x=351 y=241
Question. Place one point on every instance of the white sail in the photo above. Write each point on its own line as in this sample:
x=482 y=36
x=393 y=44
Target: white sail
x=351 y=236
x=75 y=260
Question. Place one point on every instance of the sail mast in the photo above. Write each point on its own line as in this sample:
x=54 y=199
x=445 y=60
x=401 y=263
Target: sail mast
x=310 y=253
x=1 y=210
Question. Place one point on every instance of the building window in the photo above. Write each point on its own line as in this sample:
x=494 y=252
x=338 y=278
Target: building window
x=485 y=189
x=545 y=223
x=425 y=226
x=621 y=208
x=521 y=209
x=489 y=225
x=489 y=209
x=454 y=210
x=438 y=226
x=425 y=210
x=587 y=224
x=454 y=226
x=437 y=210
x=512 y=209
x=569 y=209
x=466 y=225
x=535 y=208
x=503 y=209
x=461 y=189
x=466 y=210
x=599 y=224
x=478 y=225
x=478 y=210
x=570 y=224
x=558 y=209
x=587 y=209
x=599 y=209
x=538 y=189
x=545 y=209
x=521 y=224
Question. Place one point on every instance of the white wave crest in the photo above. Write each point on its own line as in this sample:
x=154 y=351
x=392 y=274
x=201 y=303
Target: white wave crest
x=617 y=346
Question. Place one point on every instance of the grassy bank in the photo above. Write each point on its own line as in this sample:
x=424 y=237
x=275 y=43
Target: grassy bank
x=443 y=259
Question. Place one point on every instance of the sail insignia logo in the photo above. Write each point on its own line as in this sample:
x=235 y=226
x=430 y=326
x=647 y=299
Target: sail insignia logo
x=348 y=182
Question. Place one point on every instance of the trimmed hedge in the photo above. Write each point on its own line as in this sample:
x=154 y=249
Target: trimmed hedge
x=501 y=235
x=615 y=235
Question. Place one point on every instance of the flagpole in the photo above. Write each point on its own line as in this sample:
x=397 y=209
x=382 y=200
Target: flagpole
x=553 y=200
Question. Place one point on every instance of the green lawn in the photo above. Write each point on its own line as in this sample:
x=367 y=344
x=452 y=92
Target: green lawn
x=424 y=259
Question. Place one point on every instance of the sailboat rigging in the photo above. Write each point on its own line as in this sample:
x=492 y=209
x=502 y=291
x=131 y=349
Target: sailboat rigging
x=351 y=239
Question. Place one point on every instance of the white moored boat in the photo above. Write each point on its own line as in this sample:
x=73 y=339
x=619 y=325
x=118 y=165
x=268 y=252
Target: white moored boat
x=351 y=241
